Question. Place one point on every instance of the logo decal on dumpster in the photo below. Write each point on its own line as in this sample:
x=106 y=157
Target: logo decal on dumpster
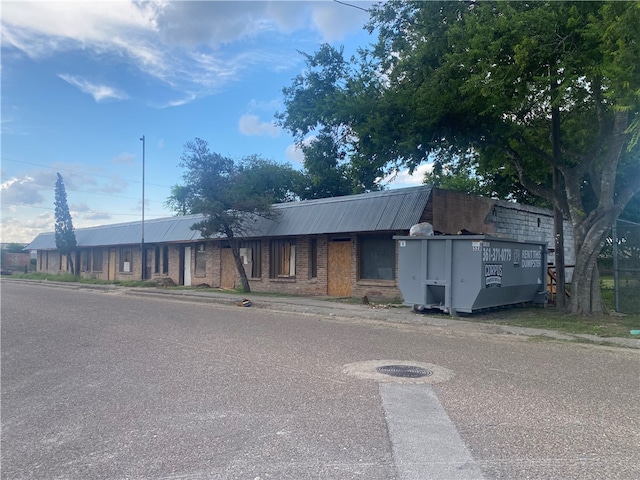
x=492 y=275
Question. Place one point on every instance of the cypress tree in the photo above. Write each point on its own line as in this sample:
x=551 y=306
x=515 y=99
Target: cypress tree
x=65 y=233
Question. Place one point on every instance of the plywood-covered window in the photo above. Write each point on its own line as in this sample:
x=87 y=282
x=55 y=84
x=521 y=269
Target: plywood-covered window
x=377 y=256
x=64 y=263
x=251 y=255
x=282 y=258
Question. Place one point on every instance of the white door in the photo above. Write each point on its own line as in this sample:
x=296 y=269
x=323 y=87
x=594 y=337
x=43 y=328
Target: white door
x=187 y=266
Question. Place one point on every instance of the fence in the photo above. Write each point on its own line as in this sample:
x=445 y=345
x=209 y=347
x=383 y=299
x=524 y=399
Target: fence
x=625 y=252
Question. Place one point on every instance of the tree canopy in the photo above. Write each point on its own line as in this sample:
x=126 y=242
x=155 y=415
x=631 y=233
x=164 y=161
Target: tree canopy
x=65 y=234
x=494 y=82
x=230 y=194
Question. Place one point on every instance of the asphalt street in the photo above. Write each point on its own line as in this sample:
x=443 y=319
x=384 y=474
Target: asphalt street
x=98 y=383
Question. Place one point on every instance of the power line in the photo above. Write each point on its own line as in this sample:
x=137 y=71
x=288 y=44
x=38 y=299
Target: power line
x=351 y=5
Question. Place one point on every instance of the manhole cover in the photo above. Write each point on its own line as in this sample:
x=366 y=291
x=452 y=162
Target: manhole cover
x=406 y=371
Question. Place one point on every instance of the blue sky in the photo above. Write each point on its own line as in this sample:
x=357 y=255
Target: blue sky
x=83 y=81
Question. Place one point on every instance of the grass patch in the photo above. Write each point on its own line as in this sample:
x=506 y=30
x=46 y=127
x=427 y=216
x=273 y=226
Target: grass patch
x=67 y=277
x=612 y=325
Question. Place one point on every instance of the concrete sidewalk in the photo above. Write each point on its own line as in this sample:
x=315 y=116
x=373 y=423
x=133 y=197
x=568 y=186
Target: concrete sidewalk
x=331 y=307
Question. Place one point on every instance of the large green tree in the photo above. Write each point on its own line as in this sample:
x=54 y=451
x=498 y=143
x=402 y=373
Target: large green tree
x=326 y=174
x=546 y=93
x=230 y=194
x=65 y=234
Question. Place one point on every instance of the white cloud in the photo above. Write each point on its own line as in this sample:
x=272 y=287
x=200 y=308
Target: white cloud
x=334 y=20
x=124 y=158
x=77 y=208
x=21 y=191
x=265 y=105
x=98 y=92
x=404 y=179
x=42 y=28
x=97 y=216
x=251 y=125
x=24 y=230
x=182 y=101
x=178 y=43
x=294 y=153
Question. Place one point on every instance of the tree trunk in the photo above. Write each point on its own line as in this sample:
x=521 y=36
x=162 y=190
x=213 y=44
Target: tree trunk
x=70 y=263
x=586 y=297
x=590 y=229
x=237 y=259
x=241 y=271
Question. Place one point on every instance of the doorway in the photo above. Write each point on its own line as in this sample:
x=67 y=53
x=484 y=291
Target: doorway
x=187 y=267
x=339 y=268
x=228 y=271
x=111 y=268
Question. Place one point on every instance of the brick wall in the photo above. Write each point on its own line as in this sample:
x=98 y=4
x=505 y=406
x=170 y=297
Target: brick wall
x=449 y=212
x=15 y=261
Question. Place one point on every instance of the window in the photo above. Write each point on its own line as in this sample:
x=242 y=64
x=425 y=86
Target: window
x=156 y=260
x=313 y=258
x=64 y=263
x=251 y=254
x=126 y=257
x=282 y=259
x=201 y=259
x=165 y=260
x=85 y=260
x=97 y=259
x=377 y=258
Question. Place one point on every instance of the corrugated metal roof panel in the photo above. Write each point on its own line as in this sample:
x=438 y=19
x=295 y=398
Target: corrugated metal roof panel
x=44 y=241
x=387 y=210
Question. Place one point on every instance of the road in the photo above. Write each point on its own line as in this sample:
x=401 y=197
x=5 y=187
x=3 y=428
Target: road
x=106 y=385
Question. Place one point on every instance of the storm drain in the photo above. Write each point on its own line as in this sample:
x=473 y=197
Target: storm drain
x=404 y=371
x=398 y=370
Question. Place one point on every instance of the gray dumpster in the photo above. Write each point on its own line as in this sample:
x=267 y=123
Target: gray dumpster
x=460 y=273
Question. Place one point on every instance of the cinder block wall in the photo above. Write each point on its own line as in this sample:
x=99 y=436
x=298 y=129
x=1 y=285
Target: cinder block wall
x=453 y=211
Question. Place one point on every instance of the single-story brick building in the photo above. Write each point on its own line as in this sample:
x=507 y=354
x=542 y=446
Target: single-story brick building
x=339 y=246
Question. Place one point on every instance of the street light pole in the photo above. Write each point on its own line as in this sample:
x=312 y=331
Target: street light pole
x=144 y=256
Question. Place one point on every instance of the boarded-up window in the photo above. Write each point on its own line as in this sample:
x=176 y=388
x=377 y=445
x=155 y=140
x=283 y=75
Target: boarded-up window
x=126 y=257
x=282 y=261
x=313 y=258
x=251 y=254
x=97 y=259
x=377 y=258
x=64 y=263
x=201 y=259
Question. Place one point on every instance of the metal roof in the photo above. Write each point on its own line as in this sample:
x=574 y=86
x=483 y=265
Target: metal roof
x=387 y=210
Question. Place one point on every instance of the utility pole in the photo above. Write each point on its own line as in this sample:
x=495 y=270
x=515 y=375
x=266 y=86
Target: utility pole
x=143 y=253
x=558 y=216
